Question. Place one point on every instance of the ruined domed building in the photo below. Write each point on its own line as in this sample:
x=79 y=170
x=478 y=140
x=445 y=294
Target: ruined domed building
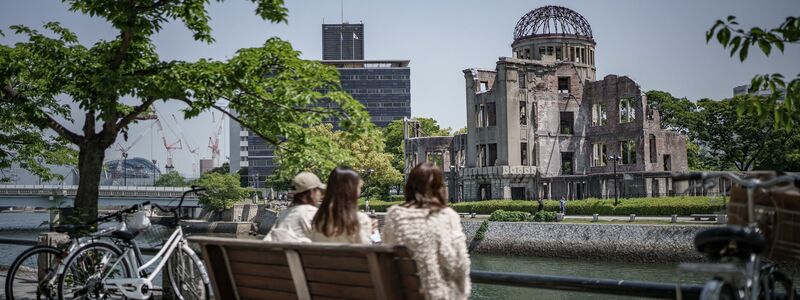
x=541 y=125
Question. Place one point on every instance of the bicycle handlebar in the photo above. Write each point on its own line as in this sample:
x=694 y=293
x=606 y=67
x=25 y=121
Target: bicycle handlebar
x=119 y=213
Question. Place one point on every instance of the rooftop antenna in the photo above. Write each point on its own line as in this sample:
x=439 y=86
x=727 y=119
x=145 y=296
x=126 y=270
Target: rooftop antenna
x=342 y=4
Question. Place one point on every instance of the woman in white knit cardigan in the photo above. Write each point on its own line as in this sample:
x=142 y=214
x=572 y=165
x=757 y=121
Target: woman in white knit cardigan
x=433 y=233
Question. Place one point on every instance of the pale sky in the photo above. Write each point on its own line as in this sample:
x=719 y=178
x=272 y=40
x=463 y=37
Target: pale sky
x=660 y=44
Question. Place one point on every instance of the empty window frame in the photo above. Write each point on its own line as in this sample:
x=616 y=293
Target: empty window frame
x=599 y=155
x=492 y=154
x=523 y=113
x=491 y=110
x=484 y=85
x=563 y=85
x=527 y=54
x=521 y=79
x=558 y=53
x=599 y=117
x=480 y=115
x=523 y=154
x=550 y=50
x=667 y=162
x=627 y=110
x=627 y=150
x=653 y=149
x=567 y=166
x=541 y=52
x=566 y=120
x=481 y=155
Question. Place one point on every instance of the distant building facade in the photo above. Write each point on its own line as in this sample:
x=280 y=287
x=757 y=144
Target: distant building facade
x=342 y=41
x=540 y=125
x=382 y=86
x=745 y=90
x=206 y=165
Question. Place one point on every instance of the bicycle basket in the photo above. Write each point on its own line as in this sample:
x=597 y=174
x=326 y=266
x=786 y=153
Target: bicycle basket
x=778 y=210
x=137 y=221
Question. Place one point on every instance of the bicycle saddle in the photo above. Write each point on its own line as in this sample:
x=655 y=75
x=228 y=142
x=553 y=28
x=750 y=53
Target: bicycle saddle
x=731 y=240
x=124 y=235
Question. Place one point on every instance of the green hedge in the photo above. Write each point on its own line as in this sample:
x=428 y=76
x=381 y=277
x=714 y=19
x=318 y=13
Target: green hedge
x=544 y=216
x=510 y=216
x=660 y=206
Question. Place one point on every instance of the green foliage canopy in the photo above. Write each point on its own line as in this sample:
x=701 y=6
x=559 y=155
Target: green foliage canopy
x=328 y=149
x=782 y=107
x=222 y=190
x=171 y=179
x=274 y=92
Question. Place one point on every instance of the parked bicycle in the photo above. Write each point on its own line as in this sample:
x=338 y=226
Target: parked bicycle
x=37 y=268
x=116 y=269
x=740 y=268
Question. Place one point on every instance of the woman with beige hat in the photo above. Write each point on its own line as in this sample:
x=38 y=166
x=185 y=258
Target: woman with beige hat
x=294 y=223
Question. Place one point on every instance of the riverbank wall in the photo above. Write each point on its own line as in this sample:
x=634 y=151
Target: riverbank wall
x=620 y=242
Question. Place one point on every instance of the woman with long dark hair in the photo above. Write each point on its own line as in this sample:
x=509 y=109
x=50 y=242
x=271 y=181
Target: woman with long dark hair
x=338 y=219
x=432 y=231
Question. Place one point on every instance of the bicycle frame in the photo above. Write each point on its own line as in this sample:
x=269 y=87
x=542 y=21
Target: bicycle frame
x=749 y=278
x=140 y=285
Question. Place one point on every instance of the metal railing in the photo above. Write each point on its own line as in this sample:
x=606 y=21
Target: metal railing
x=104 y=191
x=589 y=285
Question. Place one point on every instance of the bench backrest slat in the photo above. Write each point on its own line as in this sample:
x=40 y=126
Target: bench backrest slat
x=247 y=269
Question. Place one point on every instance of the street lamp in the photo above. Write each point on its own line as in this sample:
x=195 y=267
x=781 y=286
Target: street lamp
x=614 y=160
x=124 y=169
x=40 y=160
x=155 y=167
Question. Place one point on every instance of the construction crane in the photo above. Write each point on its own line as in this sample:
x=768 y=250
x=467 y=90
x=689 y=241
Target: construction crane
x=213 y=141
x=193 y=151
x=170 y=147
x=124 y=155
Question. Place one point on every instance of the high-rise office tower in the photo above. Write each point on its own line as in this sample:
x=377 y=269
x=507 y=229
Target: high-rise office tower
x=342 y=41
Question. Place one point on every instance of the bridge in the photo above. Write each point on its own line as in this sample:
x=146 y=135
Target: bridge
x=48 y=196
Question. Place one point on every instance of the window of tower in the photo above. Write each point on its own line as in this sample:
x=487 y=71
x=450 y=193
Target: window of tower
x=558 y=53
x=563 y=85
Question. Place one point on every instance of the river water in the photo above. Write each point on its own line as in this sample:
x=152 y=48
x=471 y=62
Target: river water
x=27 y=226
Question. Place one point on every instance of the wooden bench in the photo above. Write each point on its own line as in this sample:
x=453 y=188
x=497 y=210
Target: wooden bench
x=699 y=217
x=251 y=269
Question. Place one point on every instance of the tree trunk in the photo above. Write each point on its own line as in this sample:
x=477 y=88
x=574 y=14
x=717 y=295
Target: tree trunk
x=90 y=167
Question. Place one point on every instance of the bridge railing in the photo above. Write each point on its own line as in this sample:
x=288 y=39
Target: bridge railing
x=104 y=191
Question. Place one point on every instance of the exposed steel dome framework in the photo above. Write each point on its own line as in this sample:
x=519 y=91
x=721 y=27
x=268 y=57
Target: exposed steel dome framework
x=552 y=21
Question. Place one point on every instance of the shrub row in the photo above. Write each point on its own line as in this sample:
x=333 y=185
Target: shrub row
x=510 y=216
x=660 y=206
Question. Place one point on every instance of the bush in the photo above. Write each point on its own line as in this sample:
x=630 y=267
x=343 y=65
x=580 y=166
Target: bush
x=510 y=216
x=481 y=233
x=660 y=206
x=544 y=216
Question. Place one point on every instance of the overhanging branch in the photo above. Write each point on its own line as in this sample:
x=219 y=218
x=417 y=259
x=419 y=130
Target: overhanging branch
x=46 y=121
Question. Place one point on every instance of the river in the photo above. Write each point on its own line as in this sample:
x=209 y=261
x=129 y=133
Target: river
x=27 y=226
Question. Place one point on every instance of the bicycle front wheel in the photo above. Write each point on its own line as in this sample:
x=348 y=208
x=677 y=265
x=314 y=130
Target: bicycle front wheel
x=32 y=275
x=87 y=270
x=187 y=275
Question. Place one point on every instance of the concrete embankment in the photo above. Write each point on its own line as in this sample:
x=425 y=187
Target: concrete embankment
x=639 y=243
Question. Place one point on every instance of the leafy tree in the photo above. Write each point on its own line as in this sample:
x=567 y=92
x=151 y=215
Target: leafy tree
x=742 y=141
x=783 y=107
x=171 y=179
x=362 y=152
x=676 y=113
x=225 y=168
x=679 y=114
x=463 y=130
x=273 y=91
x=222 y=190
x=394 y=138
